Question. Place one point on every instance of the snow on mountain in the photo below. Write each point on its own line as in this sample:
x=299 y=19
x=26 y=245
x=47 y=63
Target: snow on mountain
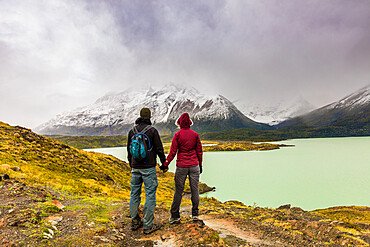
x=166 y=104
x=125 y=105
x=276 y=113
x=351 y=113
x=357 y=99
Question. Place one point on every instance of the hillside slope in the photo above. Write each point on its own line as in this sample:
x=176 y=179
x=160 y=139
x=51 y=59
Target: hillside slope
x=93 y=187
x=352 y=112
x=44 y=160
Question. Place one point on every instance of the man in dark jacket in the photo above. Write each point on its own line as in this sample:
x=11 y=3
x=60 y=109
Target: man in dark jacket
x=144 y=171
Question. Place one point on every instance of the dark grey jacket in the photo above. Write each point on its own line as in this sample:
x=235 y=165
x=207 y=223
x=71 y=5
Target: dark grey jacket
x=155 y=141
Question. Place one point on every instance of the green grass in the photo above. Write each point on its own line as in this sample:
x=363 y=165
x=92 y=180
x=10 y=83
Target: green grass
x=88 y=142
x=47 y=162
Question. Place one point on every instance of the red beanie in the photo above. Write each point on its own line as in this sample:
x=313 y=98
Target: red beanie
x=184 y=121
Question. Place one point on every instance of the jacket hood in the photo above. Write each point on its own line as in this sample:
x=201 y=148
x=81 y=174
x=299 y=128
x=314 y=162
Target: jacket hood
x=145 y=120
x=184 y=121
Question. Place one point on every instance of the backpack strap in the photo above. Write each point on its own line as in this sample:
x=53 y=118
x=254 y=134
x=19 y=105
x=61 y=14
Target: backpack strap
x=134 y=129
x=148 y=127
x=145 y=130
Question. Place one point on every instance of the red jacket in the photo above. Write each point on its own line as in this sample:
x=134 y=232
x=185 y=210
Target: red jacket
x=186 y=143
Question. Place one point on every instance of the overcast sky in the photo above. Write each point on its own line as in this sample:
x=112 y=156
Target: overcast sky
x=56 y=55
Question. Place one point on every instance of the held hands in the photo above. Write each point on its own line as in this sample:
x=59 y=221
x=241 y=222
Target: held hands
x=164 y=168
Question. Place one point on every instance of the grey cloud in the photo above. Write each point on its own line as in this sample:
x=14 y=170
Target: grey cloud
x=243 y=49
x=158 y=23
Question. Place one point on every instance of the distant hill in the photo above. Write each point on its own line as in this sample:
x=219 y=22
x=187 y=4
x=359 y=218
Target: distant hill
x=115 y=114
x=352 y=113
x=276 y=113
x=349 y=116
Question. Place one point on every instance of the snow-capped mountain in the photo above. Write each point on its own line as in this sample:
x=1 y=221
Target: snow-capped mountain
x=276 y=113
x=115 y=113
x=352 y=112
x=358 y=99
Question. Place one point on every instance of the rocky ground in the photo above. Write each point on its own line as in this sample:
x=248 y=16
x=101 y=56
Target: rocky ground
x=40 y=216
x=287 y=226
x=31 y=216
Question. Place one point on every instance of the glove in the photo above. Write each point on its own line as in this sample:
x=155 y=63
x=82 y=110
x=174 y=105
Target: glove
x=201 y=169
x=164 y=168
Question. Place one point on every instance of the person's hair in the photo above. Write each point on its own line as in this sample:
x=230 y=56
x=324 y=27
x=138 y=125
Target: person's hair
x=145 y=112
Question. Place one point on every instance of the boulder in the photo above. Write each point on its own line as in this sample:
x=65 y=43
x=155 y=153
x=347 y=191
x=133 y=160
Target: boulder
x=58 y=204
x=16 y=168
x=51 y=232
x=286 y=206
x=54 y=219
x=47 y=236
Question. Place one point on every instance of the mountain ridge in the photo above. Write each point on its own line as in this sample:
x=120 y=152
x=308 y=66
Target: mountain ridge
x=115 y=113
x=278 y=112
x=352 y=111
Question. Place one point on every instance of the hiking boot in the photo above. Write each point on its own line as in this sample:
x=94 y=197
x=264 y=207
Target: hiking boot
x=136 y=225
x=195 y=218
x=174 y=220
x=154 y=228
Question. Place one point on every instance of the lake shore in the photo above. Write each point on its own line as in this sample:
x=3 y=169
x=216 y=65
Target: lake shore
x=242 y=146
x=308 y=175
x=58 y=195
x=91 y=142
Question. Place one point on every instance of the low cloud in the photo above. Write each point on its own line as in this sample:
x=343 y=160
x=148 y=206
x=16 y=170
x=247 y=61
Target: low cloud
x=58 y=55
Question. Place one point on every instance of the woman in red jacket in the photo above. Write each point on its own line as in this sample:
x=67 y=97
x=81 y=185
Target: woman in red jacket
x=186 y=143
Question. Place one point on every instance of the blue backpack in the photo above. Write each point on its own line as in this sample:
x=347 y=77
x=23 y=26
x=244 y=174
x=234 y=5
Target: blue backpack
x=140 y=146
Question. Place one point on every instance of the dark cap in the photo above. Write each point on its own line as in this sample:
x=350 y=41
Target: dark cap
x=145 y=112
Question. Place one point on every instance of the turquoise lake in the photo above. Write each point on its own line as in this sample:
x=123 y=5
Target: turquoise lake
x=315 y=173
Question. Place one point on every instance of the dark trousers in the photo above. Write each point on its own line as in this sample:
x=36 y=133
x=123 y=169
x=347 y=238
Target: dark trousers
x=180 y=177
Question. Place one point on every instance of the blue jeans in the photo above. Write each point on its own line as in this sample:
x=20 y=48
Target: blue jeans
x=149 y=177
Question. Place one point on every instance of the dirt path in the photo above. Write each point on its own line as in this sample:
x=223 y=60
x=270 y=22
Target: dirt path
x=228 y=228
